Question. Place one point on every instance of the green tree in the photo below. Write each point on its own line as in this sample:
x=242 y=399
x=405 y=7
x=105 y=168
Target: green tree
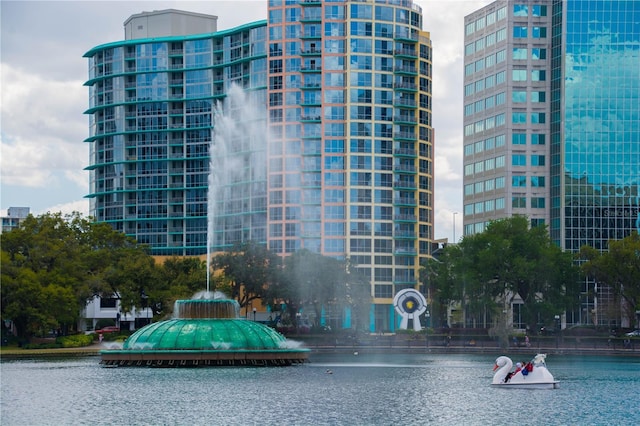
x=487 y=270
x=181 y=278
x=52 y=264
x=248 y=268
x=41 y=263
x=619 y=268
x=444 y=278
x=132 y=279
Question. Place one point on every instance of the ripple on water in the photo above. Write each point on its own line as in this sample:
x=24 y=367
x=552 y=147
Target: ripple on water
x=357 y=390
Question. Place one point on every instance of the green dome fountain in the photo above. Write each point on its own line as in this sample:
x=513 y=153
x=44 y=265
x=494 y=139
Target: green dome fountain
x=205 y=332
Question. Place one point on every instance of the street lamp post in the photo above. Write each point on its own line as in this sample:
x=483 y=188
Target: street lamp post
x=454 y=227
x=254 y=314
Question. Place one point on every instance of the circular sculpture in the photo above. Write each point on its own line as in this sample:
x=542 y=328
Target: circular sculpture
x=206 y=332
x=410 y=304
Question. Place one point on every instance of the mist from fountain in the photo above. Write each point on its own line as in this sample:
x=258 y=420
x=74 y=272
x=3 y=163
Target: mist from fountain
x=207 y=329
x=237 y=127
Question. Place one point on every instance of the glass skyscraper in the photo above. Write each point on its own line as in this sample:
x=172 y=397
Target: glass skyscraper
x=345 y=93
x=552 y=123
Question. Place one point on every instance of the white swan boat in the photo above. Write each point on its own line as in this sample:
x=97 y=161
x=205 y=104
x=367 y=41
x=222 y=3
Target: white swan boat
x=534 y=375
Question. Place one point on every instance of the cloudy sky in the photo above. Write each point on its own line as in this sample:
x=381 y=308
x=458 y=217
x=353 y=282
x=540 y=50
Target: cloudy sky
x=42 y=97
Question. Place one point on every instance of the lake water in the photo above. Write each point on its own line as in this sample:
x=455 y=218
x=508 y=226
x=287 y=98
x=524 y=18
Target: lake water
x=330 y=390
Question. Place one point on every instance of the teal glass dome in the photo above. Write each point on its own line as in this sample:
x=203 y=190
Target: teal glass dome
x=202 y=334
x=205 y=332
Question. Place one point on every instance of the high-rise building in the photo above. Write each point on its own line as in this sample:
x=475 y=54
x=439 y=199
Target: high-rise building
x=151 y=106
x=344 y=90
x=552 y=123
x=351 y=162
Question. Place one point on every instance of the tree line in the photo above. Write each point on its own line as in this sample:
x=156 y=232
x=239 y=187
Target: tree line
x=486 y=272
x=52 y=265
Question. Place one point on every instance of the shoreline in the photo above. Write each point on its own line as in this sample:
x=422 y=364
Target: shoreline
x=94 y=350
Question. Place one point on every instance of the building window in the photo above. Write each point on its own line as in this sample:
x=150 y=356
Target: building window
x=537 y=160
x=537 y=139
x=538 y=53
x=519 y=75
x=520 y=53
x=538 y=75
x=518 y=160
x=468 y=189
x=537 y=222
x=537 y=203
x=538 y=10
x=383 y=291
x=538 y=97
x=538 y=181
x=520 y=10
x=518 y=96
x=520 y=32
x=519 y=138
x=539 y=32
x=538 y=118
x=519 y=202
x=519 y=117
x=519 y=181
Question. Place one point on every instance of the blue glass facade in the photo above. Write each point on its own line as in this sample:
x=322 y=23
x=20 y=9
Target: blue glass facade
x=569 y=149
x=595 y=135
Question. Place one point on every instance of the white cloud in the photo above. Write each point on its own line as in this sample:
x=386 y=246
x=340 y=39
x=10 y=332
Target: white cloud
x=40 y=134
x=81 y=206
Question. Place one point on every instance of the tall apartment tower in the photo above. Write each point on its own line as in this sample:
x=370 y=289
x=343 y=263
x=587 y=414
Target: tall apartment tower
x=344 y=167
x=350 y=164
x=552 y=123
x=152 y=104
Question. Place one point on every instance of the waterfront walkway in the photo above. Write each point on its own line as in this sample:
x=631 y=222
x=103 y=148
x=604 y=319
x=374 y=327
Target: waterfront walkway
x=460 y=344
x=395 y=344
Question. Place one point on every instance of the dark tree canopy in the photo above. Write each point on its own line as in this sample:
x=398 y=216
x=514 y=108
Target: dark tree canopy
x=249 y=269
x=52 y=264
x=487 y=270
x=619 y=268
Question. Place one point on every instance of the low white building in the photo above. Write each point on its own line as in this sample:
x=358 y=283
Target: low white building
x=100 y=308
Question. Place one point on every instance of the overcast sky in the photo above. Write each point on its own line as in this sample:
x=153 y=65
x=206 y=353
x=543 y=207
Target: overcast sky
x=42 y=97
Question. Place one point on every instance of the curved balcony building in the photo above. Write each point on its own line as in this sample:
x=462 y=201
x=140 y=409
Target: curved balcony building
x=152 y=104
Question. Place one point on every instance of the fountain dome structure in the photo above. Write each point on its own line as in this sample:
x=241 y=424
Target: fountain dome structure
x=205 y=332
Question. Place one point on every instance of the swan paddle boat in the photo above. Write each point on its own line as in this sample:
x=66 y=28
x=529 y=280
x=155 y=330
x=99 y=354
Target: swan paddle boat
x=532 y=375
